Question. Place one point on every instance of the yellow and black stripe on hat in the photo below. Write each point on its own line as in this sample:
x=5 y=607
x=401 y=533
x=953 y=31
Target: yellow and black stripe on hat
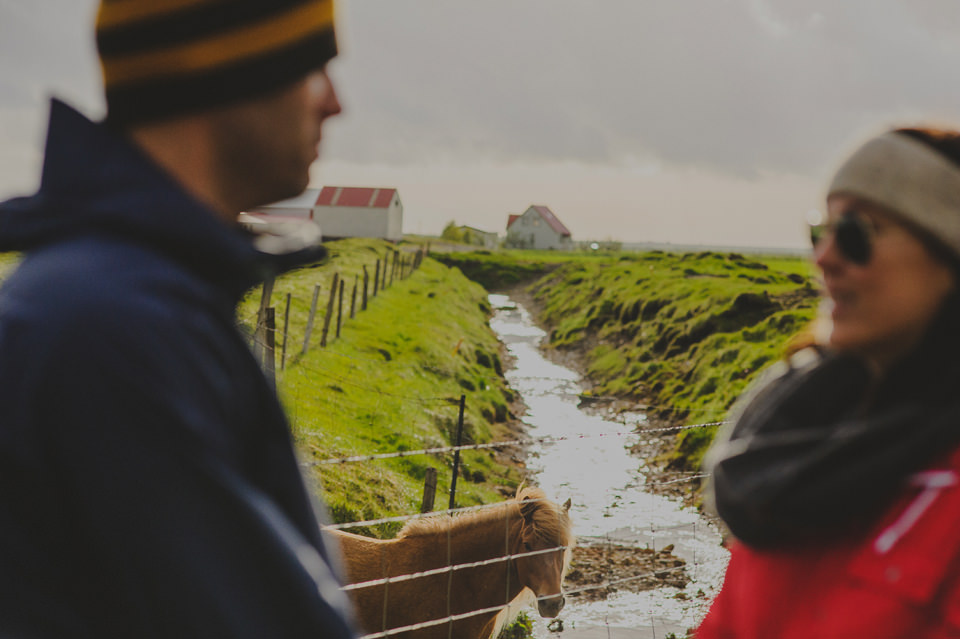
x=164 y=58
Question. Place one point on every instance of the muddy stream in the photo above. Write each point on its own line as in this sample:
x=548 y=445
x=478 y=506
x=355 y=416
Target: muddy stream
x=611 y=508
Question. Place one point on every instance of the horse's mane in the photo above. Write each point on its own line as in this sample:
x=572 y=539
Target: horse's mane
x=550 y=521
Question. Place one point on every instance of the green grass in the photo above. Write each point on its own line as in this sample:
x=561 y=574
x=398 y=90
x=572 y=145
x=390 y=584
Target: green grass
x=387 y=386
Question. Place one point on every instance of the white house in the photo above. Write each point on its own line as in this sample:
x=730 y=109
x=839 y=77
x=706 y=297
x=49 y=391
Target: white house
x=343 y=211
x=537 y=228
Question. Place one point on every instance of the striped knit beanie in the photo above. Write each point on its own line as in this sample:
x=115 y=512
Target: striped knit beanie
x=165 y=58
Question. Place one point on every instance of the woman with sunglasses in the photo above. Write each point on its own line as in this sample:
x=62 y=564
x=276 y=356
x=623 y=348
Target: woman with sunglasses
x=839 y=478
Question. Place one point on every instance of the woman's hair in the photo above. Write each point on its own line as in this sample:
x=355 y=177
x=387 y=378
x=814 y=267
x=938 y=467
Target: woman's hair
x=946 y=142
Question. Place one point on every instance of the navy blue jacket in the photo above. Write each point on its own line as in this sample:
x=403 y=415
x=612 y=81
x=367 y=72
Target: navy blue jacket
x=148 y=484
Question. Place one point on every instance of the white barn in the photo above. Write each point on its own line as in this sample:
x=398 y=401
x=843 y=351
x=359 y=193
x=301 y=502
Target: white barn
x=343 y=211
x=537 y=228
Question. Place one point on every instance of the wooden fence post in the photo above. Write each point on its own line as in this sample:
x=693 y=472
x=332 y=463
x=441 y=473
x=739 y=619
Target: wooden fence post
x=313 y=313
x=386 y=262
x=329 y=315
x=366 y=282
x=259 y=333
x=353 y=297
x=429 y=490
x=456 y=454
x=269 y=350
x=340 y=309
x=376 y=278
x=286 y=332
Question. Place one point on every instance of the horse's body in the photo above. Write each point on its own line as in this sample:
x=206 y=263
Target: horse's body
x=527 y=523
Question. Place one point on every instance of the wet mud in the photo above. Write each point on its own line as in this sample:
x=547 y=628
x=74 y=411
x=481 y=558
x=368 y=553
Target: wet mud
x=600 y=570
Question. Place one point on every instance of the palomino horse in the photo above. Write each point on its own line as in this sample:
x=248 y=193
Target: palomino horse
x=525 y=524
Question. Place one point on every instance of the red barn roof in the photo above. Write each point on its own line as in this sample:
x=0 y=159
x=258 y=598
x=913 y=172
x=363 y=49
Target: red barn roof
x=513 y=218
x=356 y=196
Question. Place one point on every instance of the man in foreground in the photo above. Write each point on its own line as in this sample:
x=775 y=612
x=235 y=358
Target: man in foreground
x=148 y=485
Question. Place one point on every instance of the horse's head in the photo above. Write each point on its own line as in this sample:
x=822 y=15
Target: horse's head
x=544 y=525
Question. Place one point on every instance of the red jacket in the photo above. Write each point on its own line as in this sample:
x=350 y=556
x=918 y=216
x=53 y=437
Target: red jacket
x=902 y=581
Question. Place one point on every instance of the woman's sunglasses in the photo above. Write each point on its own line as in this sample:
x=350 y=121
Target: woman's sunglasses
x=853 y=234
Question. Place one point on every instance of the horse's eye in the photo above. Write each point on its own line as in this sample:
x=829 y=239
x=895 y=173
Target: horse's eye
x=527 y=546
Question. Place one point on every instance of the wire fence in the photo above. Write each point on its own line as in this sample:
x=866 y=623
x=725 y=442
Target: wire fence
x=267 y=337
x=606 y=586
x=658 y=574
x=270 y=340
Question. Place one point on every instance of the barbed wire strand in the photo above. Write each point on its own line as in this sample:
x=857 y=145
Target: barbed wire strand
x=503 y=444
x=465 y=509
x=447 y=569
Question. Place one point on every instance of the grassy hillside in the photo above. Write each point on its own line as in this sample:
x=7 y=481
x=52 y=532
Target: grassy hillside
x=685 y=333
x=387 y=384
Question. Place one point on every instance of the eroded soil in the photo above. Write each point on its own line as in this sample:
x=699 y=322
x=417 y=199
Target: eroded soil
x=597 y=571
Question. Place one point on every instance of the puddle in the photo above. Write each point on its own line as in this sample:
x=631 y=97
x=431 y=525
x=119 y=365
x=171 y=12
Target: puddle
x=594 y=468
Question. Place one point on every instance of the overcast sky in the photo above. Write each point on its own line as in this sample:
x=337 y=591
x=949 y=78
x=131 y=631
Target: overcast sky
x=685 y=121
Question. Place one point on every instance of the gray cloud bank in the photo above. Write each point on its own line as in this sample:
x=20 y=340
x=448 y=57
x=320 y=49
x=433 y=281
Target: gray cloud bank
x=738 y=86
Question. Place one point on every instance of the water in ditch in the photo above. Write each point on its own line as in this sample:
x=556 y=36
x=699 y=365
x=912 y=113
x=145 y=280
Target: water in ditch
x=592 y=466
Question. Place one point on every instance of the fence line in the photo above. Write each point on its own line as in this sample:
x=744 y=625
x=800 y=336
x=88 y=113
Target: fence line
x=448 y=569
x=502 y=444
x=256 y=321
x=473 y=613
x=497 y=560
x=471 y=509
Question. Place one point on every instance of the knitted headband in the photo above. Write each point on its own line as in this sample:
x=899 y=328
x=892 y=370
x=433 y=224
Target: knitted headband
x=164 y=58
x=905 y=175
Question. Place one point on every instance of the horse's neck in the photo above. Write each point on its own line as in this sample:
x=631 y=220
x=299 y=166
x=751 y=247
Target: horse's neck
x=464 y=542
x=467 y=541
x=486 y=537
